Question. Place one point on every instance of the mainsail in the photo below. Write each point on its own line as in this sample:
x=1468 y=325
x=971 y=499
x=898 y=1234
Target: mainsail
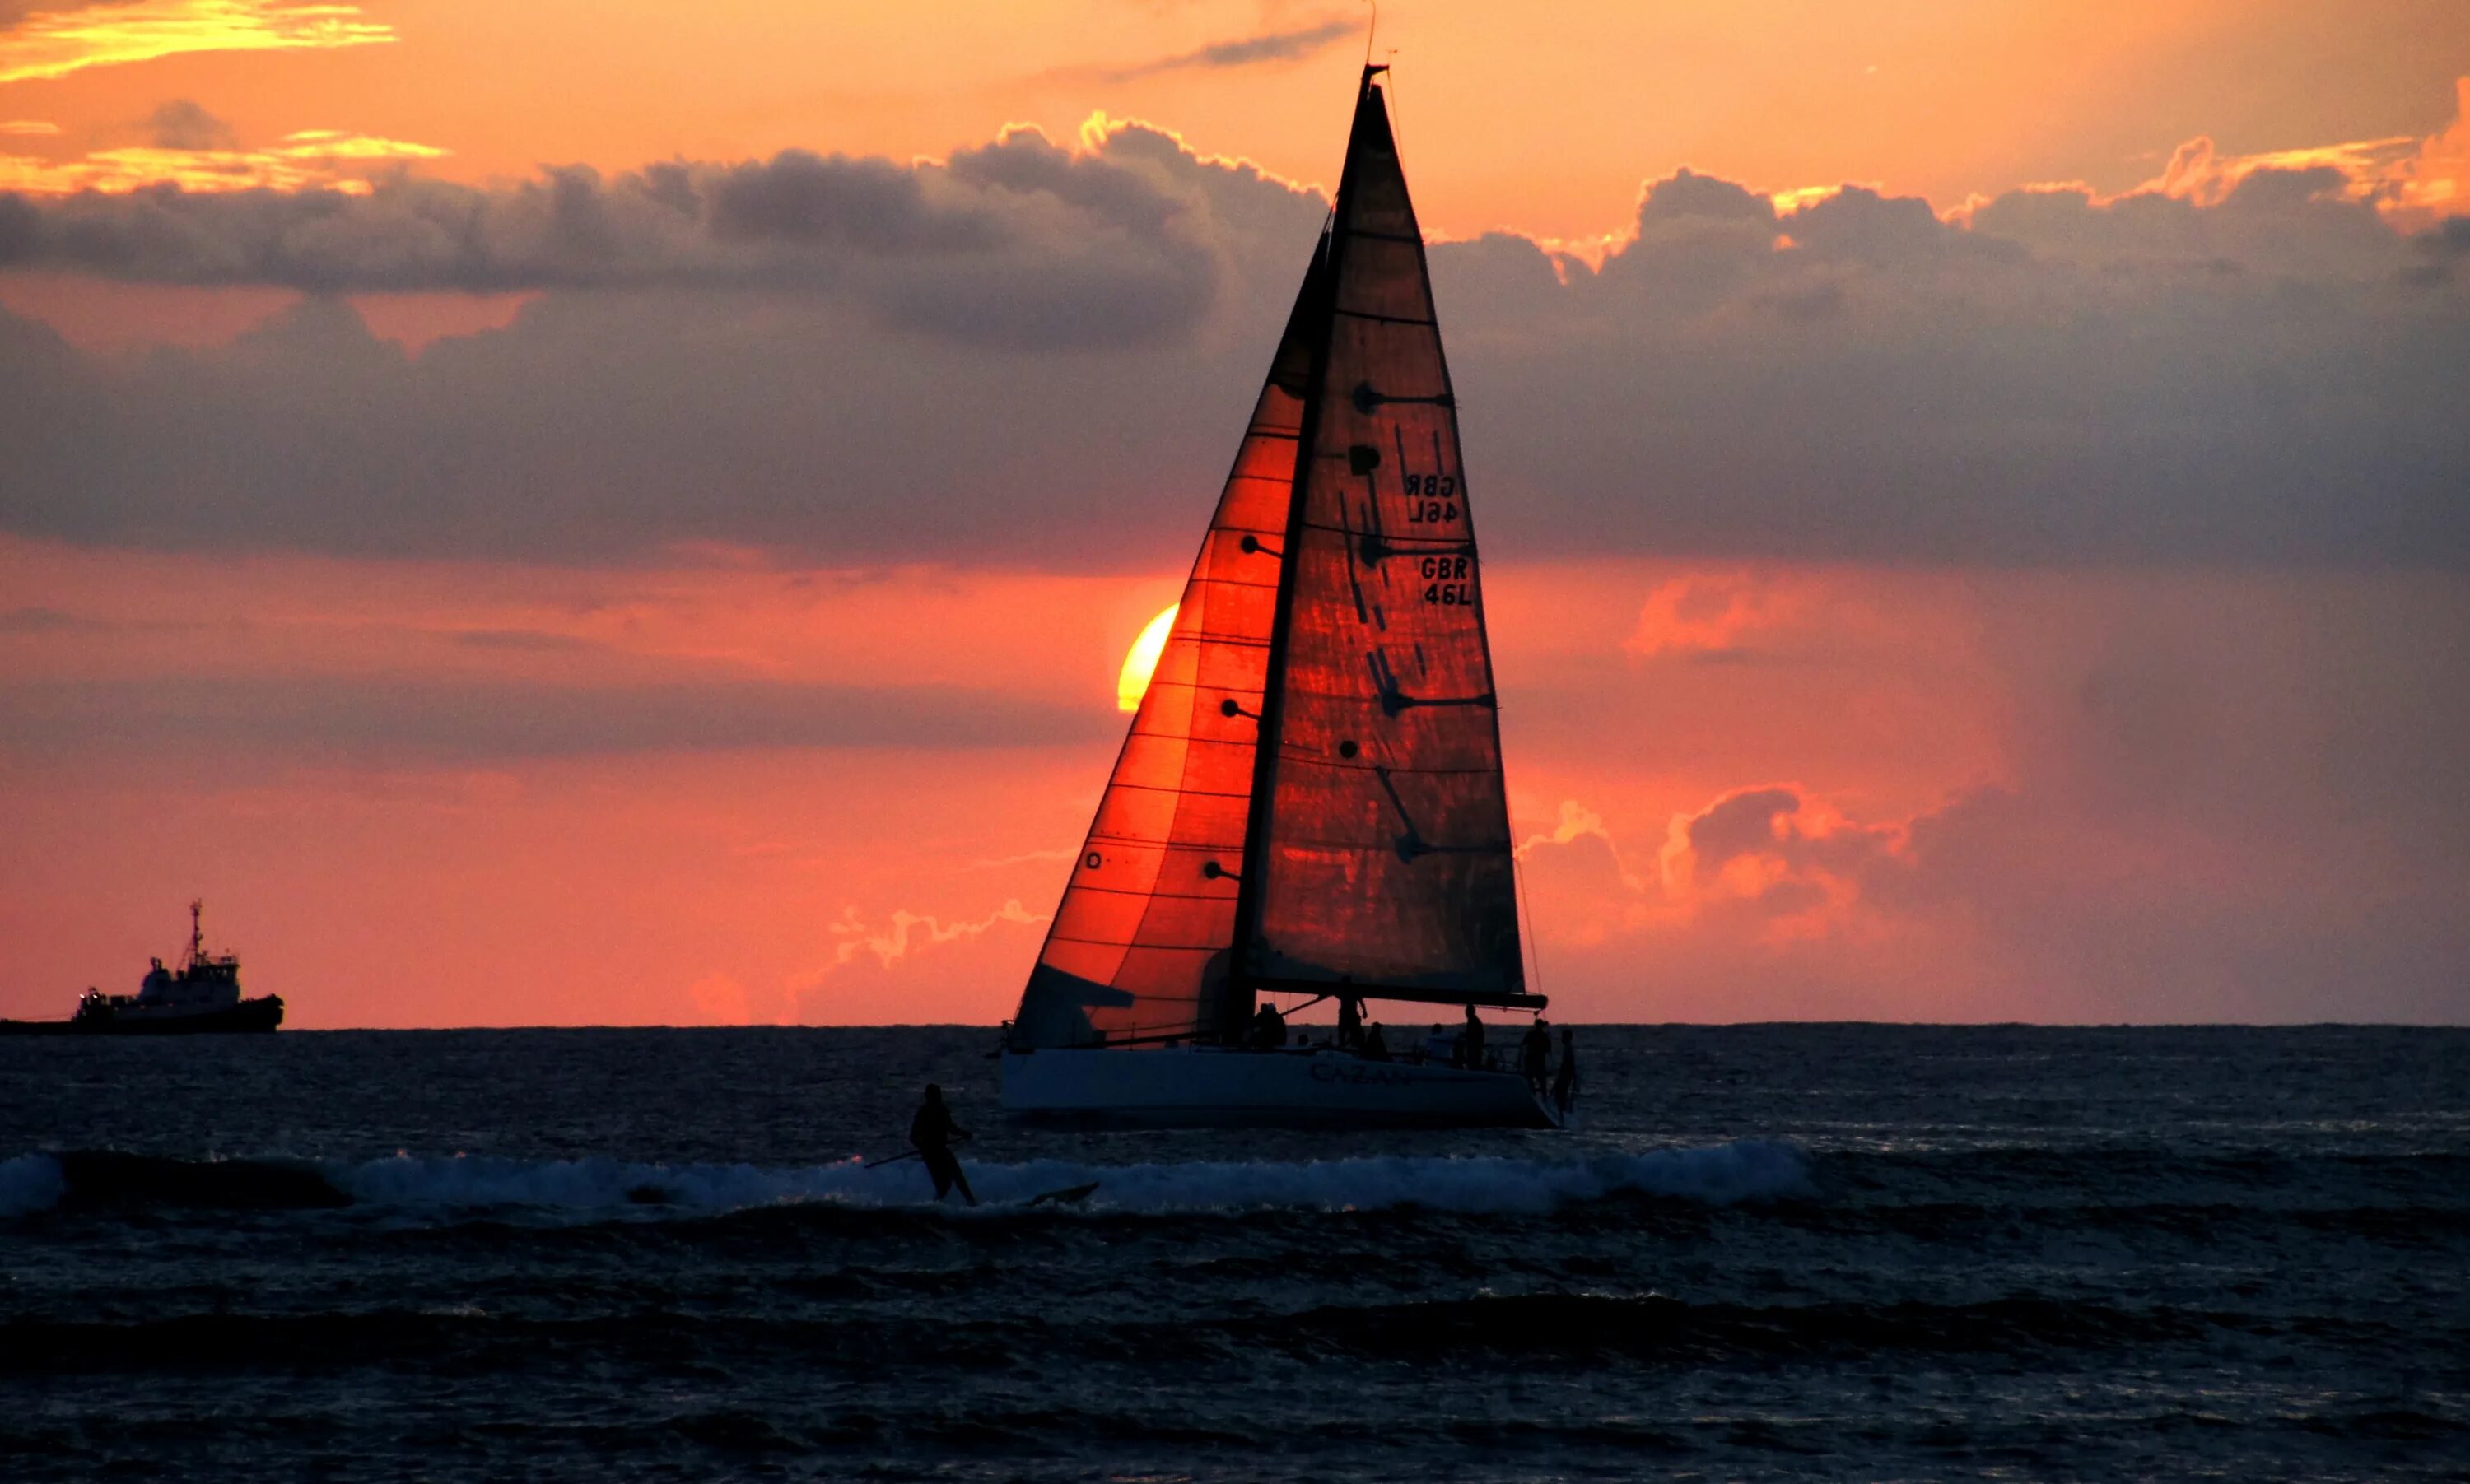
x=1381 y=854
x=1336 y=607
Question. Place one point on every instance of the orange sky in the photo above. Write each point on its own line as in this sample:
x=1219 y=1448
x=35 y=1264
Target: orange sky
x=441 y=877
x=1543 y=119
x=705 y=778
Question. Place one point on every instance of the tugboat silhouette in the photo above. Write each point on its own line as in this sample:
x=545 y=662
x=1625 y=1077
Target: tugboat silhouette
x=201 y=994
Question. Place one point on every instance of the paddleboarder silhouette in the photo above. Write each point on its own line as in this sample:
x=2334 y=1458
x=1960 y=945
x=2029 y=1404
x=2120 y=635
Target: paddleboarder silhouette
x=933 y=1132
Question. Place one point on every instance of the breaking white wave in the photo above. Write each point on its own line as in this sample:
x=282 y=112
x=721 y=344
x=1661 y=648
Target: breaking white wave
x=1748 y=1169
x=1720 y=1174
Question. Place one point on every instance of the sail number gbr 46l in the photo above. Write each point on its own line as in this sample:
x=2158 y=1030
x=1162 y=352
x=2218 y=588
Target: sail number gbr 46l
x=1432 y=500
x=1445 y=580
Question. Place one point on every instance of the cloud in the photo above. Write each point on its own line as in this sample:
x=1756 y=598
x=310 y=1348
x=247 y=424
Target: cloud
x=1707 y=616
x=2436 y=185
x=307 y=160
x=2416 y=182
x=43 y=620
x=908 y=932
x=1575 y=823
x=436 y=719
x=1032 y=353
x=52 y=43
x=27 y=129
x=2209 y=796
x=180 y=123
x=1016 y=243
x=1247 y=51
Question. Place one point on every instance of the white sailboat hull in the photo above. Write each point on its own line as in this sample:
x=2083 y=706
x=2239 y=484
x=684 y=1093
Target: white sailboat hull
x=1213 y=1087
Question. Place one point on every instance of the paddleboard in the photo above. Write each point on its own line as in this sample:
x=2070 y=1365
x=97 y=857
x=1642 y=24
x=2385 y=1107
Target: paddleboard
x=1069 y=1196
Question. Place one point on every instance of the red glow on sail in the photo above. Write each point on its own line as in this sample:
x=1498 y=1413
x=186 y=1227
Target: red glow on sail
x=1384 y=853
x=1141 y=946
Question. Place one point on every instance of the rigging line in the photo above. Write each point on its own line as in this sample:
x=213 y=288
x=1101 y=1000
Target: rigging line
x=1114 y=943
x=1227 y=897
x=1397 y=119
x=1318 y=760
x=1180 y=792
x=1371 y=29
x=1534 y=948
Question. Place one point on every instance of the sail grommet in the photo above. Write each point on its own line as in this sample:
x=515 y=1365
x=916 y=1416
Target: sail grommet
x=1250 y=544
x=1347 y=749
x=1363 y=458
x=1213 y=870
x=1093 y=860
x=1366 y=399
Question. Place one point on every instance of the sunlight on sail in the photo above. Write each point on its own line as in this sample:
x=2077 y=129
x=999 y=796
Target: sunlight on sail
x=1135 y=683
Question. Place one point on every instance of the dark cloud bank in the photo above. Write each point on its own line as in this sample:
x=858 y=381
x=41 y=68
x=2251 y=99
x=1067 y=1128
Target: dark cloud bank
x=1028 y=354
x=429 y=719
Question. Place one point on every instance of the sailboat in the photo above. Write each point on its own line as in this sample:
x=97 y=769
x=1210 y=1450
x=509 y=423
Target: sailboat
x=1309 y=801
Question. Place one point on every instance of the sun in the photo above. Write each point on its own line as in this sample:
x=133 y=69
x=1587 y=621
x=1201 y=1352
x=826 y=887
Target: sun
x=1135 y=683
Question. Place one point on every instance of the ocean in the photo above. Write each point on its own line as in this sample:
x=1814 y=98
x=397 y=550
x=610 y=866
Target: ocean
x=1824 y=1251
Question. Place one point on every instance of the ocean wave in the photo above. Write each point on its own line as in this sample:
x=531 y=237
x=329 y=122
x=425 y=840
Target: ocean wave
x=1752 y=1169
x=1540 y=1327
x=27 y=1183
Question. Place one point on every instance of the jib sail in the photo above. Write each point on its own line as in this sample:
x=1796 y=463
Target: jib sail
x=1142 y=943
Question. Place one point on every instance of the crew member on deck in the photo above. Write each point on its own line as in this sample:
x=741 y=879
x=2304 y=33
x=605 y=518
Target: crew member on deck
x=1268 y=1028
x=1350 y=1021
x=1470 y=1042
x=933 y=1131
x=1535 y=1056
x=1375 y=1049
x=1565 y=1085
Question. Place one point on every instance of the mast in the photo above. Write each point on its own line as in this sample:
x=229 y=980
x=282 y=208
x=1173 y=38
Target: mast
x=1243 y=987
x=1377 y=858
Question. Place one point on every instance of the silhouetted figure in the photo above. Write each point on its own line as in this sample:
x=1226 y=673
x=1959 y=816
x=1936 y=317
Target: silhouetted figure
x=1268 y=1028
x=1564 y=1083
x=933 y=1131
x=1535 y=1056
x=1437 y=1046
x=1375 y=1049
x=1471 y=1041
x=1350 y=1021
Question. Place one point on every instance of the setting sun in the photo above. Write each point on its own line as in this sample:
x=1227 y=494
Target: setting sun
x=1135 y=683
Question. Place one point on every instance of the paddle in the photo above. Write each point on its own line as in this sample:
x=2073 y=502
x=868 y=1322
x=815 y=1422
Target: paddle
x=894 y=1159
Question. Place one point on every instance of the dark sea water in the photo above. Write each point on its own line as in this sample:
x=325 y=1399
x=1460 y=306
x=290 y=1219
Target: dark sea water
x=1824 y=1251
